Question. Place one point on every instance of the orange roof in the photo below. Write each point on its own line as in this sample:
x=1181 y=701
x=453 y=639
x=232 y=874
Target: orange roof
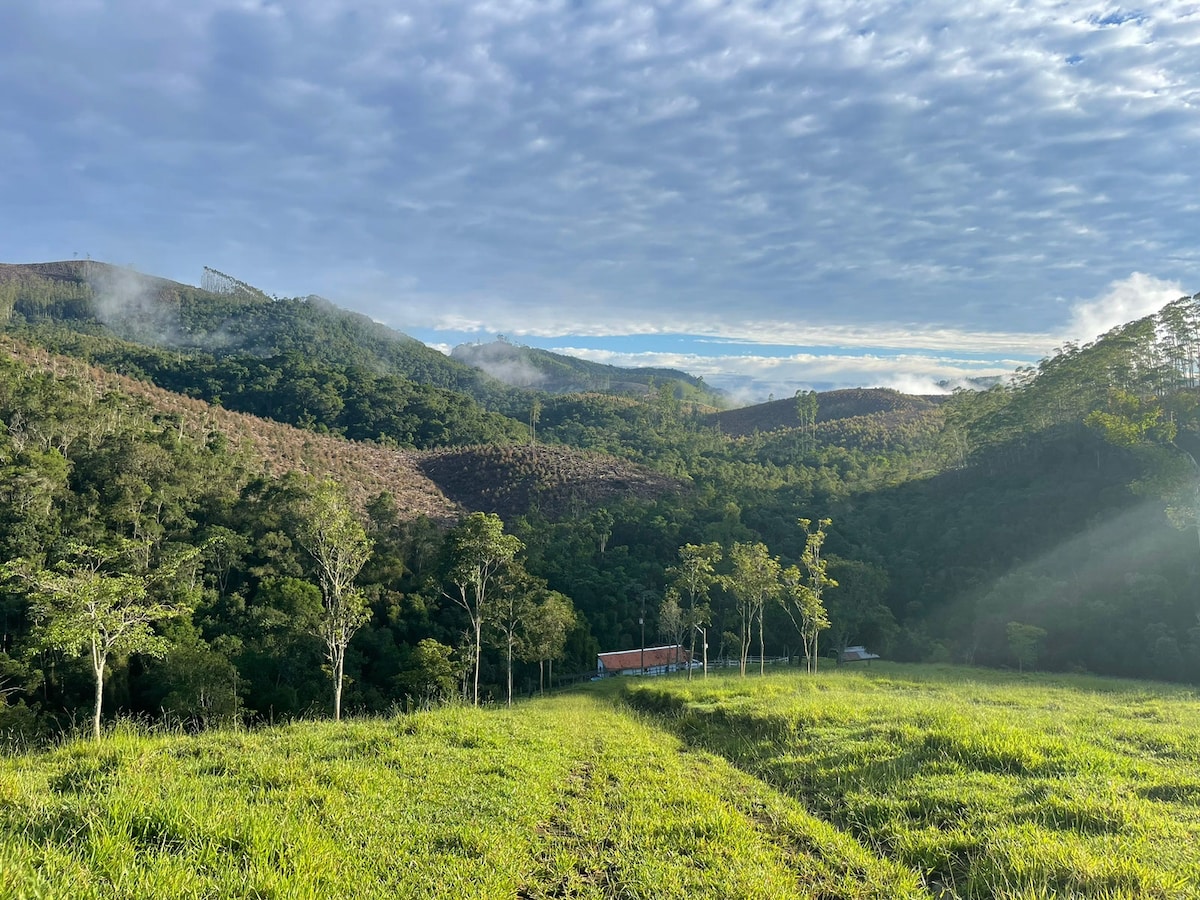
x=618 y=660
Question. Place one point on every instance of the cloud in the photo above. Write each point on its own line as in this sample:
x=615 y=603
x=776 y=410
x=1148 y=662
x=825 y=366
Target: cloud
x=1132 y=298
x=752 y=377
x=923 y=176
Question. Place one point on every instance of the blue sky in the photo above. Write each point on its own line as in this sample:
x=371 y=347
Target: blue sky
x=772 y=195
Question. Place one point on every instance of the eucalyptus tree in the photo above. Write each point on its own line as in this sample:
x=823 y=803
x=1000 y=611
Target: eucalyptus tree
x=544 y=633
x=755 y=579
x=99 y=602
x=804 y=587
x=479 y=549
x=693 y=577
x=672 y=620
x=338 y=543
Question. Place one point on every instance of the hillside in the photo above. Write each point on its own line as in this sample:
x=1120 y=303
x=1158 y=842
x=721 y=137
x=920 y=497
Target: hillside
x=554 y=373
x=884 y=405
x=556 y=481
x=233 y=318
x=441 y=485
x=365 y=470
x=888 y=783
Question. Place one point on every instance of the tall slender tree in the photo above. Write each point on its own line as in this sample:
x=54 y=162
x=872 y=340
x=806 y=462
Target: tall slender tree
x=101 y=602
x=693 y=576
x=804 y=586
x=338 y=544
x=479 y=548
x=753 y=581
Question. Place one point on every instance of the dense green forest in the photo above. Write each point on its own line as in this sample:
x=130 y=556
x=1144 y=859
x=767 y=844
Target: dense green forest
x=1049 y=522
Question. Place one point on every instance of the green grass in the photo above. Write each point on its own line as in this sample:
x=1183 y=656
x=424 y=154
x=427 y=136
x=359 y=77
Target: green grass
x=989 y=785
x=567 y=797
x=892 y=782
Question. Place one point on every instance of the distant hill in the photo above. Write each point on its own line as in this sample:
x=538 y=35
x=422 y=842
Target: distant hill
x=440 y=485
x=555 y=373
x=365 y=470
x=882 y=403
x=555 y=480
x=231 y=318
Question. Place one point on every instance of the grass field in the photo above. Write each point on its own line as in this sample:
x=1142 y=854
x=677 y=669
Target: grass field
x=898 y=782
x=566 y=797
x=989 y=785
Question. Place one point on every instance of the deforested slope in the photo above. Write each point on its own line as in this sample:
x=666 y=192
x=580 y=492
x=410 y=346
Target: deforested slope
x=365 y=470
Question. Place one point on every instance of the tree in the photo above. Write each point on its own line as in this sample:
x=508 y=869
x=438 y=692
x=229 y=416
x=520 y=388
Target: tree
x=806 y=412
x=428 y=674
x=803 y=589
x=1025 y=642
x=535 y=415
x=753 y=581
x=693 y=576
x=338 y=543
x=479 y=548
x=544 y=635
x=672 y=620
x=511 y=607
x=90 y=601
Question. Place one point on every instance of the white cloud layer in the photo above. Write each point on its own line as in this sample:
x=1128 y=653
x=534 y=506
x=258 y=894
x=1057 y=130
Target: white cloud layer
x=752 y=378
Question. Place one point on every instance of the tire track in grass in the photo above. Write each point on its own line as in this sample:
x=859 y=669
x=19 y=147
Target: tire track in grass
x=566 y=864
x=641 y=816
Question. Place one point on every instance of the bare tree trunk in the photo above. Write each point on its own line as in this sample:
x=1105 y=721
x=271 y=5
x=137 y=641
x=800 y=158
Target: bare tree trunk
x=541 y=676
x=762 y=653
x=337 y=687
x=478 y=657
x=98 y=669
x=692 y=643
x=510 y=645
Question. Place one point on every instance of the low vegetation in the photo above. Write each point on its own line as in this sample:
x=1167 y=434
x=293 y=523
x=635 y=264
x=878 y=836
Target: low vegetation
x=890 y=782
x=560 y=798
x=989 y=785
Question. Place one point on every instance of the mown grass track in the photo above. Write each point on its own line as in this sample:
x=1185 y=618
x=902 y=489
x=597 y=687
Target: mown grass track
x=567 y=797
x=990 y=785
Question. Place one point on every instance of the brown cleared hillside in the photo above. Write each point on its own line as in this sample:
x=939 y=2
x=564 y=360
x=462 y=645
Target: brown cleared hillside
x=365 y=470
x=510 y=480
x=831 y=406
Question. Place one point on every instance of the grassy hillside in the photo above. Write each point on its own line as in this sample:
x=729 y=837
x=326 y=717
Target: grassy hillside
x=992 y=785
x=561 y=798
x=889 y=782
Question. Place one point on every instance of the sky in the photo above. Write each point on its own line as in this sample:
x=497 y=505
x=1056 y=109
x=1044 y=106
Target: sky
x=774 y=195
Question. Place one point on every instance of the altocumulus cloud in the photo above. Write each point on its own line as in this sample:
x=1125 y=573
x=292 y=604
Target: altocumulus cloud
x=925 y=180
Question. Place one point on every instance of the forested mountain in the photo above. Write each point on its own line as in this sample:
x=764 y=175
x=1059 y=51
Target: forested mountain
x=229 y=319
x=554 y=373
x=1050 y=520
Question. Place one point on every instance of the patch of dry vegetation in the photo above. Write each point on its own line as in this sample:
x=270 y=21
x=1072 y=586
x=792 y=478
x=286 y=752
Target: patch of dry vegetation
x=510 y=480
x=365 y=470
